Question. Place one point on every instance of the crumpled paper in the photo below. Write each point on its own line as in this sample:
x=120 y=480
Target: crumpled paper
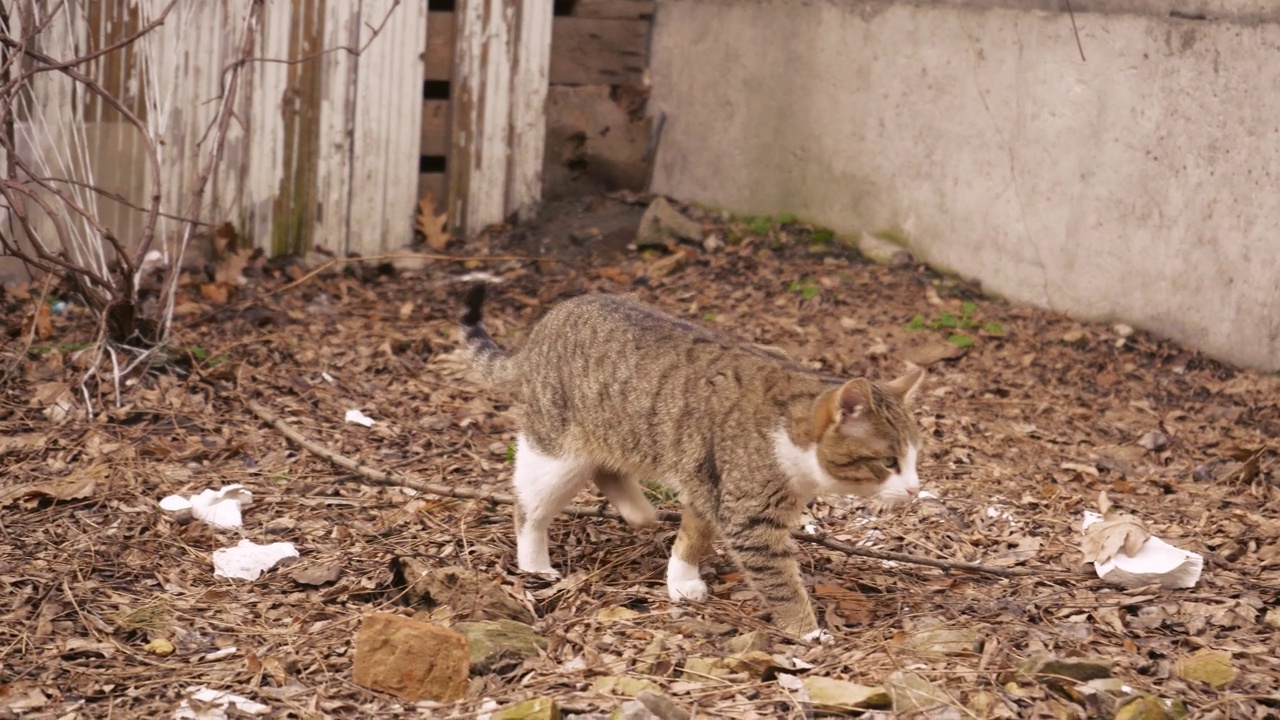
x=213 y=704
x=220 y=508
x=1156 y=563
x=247 y=560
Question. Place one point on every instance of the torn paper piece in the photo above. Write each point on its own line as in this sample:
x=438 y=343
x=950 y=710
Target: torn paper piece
x=248 y=560
x=210 y=704
x=220 y=508
x=926 y=495
x=996 y=513
x=1156 y=563
x=359 y=418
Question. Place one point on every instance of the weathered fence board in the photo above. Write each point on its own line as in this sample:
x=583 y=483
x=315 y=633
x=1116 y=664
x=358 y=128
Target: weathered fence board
x=324 y=143
x=498 y=128
x=387 y=121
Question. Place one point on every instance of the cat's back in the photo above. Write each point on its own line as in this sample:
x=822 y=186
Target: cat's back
x=602 y=320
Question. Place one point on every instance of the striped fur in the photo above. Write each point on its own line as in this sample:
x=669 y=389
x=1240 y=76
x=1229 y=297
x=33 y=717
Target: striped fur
x=616 y=392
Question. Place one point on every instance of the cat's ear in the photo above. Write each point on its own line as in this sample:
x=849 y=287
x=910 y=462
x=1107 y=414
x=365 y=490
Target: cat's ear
x=847 y=408
x=904 y=388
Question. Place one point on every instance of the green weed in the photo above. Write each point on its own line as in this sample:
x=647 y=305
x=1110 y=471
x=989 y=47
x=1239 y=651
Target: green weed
x=953 y=324
x=806 y=288
x=660 y=494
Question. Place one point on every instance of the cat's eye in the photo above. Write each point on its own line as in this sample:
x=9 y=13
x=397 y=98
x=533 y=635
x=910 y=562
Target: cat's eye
x=891 y=463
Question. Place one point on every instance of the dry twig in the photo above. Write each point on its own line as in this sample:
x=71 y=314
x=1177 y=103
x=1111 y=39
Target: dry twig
x=381 y=477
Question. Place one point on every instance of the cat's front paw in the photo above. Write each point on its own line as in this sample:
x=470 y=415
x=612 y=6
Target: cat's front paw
x=818 y=637
x=544 y=571
x=679 y=590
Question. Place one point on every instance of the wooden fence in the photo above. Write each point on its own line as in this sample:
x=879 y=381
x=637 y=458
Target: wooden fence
x=329 y=148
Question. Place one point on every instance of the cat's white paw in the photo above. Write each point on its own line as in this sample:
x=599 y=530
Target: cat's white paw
x=545 y=571
x=679 y=590
x=819 y=636
x=683 y=581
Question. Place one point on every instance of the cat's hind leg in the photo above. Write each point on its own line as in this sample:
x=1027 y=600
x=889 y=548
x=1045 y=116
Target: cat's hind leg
x=544 y=485
x=625 y=494
x=694 y=542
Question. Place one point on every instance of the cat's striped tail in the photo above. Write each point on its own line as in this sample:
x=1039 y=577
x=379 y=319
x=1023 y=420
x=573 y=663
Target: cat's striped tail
x=491 y=361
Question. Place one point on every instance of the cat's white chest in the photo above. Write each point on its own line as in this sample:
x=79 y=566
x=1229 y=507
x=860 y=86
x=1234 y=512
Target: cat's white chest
x=801 y=466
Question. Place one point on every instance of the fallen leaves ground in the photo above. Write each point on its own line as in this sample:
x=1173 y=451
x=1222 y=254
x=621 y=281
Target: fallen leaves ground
x=1030 y=418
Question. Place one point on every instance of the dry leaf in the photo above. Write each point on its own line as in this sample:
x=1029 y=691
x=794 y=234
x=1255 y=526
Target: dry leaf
x=42 y=319
x=430 y=223
x=231 y=256
x=1107 y=537
x=316 y=574
x=74 y=487
x=1080 y=468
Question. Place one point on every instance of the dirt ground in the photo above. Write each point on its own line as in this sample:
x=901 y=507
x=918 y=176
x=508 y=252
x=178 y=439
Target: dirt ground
x=1030 y=415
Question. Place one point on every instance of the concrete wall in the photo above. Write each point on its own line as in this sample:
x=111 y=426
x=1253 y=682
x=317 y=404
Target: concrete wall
x=1142 y=184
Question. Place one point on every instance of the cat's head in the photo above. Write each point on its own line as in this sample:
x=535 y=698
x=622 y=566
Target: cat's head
x=868 y=442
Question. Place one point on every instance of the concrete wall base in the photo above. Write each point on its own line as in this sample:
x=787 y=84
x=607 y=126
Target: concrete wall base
x=1141 y=185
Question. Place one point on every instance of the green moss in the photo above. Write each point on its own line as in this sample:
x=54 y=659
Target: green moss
x=822 y=236
x=896 y=236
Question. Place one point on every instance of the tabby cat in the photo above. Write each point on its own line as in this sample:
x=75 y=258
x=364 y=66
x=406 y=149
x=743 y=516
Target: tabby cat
x=616 y=392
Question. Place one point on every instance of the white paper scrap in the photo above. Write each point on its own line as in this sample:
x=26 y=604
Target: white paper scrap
x=1157 y=563
x=248 y=560
x=359 y=418
x=213 y=704
x=220 y=508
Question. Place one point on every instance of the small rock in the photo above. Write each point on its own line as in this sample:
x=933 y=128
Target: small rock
x=536 y=709
x=1056 y=671
x=831 y=695
x=662 y=705
x=1154 y=441
x=748 y=641
x=703 y=669
x=944 y=641
x=712 y=243
x=1073 y=336
x=913 y=694
x=624 y=685
x=1272 y=618
x=632 y=710
x=1143 y=708
x=662 y=224
x=494 y=641
x=159 y=646
x=1122 y=330
x=410 y=659
x=1208 y=666
x=883 y=252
